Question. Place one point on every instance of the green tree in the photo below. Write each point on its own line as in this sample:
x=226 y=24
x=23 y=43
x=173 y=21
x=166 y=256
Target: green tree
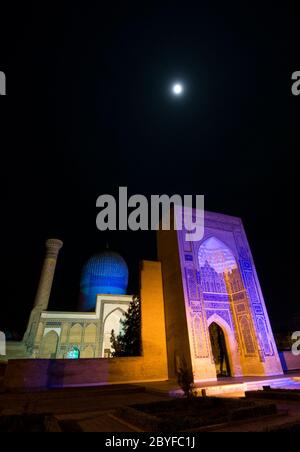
x=128 y=342
x=185 y=379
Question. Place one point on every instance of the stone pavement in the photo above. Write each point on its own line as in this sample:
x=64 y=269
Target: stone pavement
x=229 y=387
x=290 y=414
x=105 y=421
x=99 y=421
x=93 y=409
x=90 y=409
x=75 y=400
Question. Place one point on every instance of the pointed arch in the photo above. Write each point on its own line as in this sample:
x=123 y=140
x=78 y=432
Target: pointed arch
x=113 y=311
x=217 y=254
x=75 y=334
x=88 y=352
x=230 y=340
x=198 y=335
x=49 y=345
x=111 y=322
x=219 y=349
x=90 y=333
x=216 y=318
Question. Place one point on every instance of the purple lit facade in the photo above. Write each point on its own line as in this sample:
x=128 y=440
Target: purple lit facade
x=221 y=286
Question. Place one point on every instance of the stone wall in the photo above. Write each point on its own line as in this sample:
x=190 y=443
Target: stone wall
x=33 y=374
x=178 y=345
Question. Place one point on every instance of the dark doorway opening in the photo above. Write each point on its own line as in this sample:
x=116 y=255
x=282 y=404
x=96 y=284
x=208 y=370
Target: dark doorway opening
x=219 y=349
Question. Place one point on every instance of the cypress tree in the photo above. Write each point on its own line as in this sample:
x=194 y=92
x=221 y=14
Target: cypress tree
x=128 y=342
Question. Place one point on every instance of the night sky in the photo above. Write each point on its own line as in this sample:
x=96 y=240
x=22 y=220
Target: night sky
x=88 y=110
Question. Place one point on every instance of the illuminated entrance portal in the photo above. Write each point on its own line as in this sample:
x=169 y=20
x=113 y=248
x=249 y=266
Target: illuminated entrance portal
x=215 y=311
x=219 y=350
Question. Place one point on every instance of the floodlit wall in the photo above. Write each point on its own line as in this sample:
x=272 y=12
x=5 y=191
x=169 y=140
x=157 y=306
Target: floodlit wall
x=214 y=280
x=151 y=366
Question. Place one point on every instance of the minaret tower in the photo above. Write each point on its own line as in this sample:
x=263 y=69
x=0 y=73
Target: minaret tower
x=45 y=285
x=43 y=292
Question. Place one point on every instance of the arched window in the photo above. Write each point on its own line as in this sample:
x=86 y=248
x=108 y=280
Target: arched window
x=88 y=352
x=49 y=345
x=74 y=353
x=90 y=334
x=112 y=322
x=215 y=255
x=215 y=259
x=75 y=334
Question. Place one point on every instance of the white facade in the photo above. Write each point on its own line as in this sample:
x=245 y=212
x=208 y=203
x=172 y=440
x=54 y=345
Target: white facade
x=80 y=334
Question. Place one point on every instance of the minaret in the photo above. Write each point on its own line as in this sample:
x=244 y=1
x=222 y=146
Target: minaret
x=43 y=292
x=45 y=285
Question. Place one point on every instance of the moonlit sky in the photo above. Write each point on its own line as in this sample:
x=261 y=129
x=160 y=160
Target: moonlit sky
x=177 y=89
x=89 y=109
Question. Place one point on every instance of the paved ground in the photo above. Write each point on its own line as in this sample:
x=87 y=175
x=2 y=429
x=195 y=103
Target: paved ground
x=105 y=421
x=264 y=424
x=93 y=409
x=99 y=421
x=168 y=387
x=77 y=400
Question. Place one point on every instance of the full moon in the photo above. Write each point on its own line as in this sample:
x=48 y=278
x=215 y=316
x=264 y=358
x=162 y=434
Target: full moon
x=177 y=89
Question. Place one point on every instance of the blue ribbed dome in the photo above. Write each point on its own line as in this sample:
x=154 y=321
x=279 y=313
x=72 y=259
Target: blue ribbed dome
x=104 y=273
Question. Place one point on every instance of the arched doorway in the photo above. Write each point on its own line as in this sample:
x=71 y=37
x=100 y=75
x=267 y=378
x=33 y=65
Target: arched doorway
x=219 y=350
x=73 y=353
x=111 y=322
